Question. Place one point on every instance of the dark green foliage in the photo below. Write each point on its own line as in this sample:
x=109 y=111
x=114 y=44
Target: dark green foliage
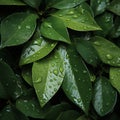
x=59 y=59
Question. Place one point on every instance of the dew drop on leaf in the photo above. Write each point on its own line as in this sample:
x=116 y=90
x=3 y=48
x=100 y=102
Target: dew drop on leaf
x=109 y=56
x=97 y=43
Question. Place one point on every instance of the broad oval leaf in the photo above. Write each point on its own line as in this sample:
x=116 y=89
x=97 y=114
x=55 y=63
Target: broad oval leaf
x=36 y=49
x=115 y=78
x=11 y=113
x=87 y=51
x=33 y=3
x=99 y=6
x=65 y=4
x=11 y=83
x=21 y=28
x=27 y=74
x=115 y=7
x=105 y=21
x=54 y=28
x=104 y=97
x=11 y=2
x=76 y=84
x=108 y=52
x=68 y=115
x=77 y=19
x=47 y=75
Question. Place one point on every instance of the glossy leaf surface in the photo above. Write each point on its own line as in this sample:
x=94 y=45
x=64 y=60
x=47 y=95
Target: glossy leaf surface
x=107 y=51
x=36 y=49
x=10 y=113
x=76 y=84
x=77 y=19
x=21 y=28
x=27 y=74
x=70 y=114
x=99 y=6
x=87 y=51
x=114 y=78
x=33 y=3
x=54 y=28
x=11 y=2
x=104 y=98
x=115 y=7
x=48 y=75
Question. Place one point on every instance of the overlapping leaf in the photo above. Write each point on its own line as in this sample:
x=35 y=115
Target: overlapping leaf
x=77 y=19
x=104 y=98
x=76 y=84
x=54 y=28
x=17 y=28
x=47 y=75
x=11 y=2
x=108 y=51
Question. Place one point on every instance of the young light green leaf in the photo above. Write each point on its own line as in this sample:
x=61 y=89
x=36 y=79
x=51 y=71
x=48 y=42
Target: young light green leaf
x=104 y=97
x=77 y=19
x=107 y=51
x=27 y=74
x=115 y=78
x=36 y=49
x=33 y=3
x=11 y=2
x=65 y=4
x=54 y=28
x=115 y=7
x=76 y=84
x=87 y=51
x=99 y=6
x=47 y=75
x=21 y=28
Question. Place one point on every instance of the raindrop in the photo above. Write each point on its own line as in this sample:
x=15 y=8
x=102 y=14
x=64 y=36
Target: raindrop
x=60 y=15
x=75 y=16
x=55 y=89
x=84 y=71
x=71 y=12
x=25 y=101
x=109 y=56
x=61 y=69
x=8 y=110
x=19 y=27
x=38 y=80
x=55 y=72
x=97 y=43
x=27 y=27
x=67 y=19
x=49 y=26
x=52 y=45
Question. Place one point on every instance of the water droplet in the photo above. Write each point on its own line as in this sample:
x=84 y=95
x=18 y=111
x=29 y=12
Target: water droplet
x=84 y=71
x=27 y=27
x=55 y=89
x=61 y=69
x=71 y=12
x=52 y=45
x=55 y=72
x=82 y=11
x=19 y=27
x=38 y=80
x=25 y=101
x=109 y=56
x=67 y=19
x=60 y=15
x=49 y=26
x=75 y=16
x=97 y=43
x=8 y=110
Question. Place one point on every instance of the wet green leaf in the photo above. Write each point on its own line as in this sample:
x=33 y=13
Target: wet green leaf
x=115 y=7
x=65 y=4
x=55 y=111
x=87 y=51
x=76 y=84
x=107 y=51
x=105 y=21
x=10 y=113
x=48 y=75
x=104 y=97
x=114 y=78
x=83 y=117
x=33 y=3
x=68 y=115
x=99 y=6
x=12 y=83
x=21 y=28
x=36 y=49
x=27 y=74
x=54 y=28
x=77 y=19
x=11 y=2
x=29 y=105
